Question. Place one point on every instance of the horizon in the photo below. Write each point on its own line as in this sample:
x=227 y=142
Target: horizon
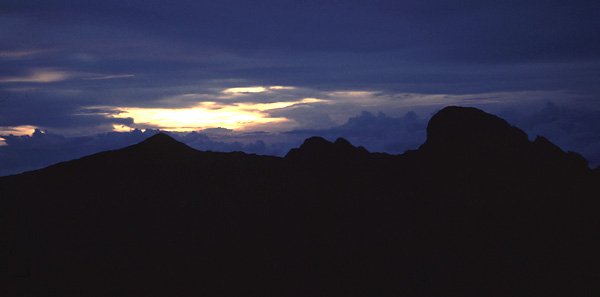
x=367 y=130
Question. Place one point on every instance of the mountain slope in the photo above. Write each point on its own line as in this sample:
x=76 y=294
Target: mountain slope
x=477 y=210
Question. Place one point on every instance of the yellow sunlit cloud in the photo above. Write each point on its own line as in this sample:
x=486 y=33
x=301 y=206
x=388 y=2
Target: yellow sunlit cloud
x=244 y=90
x=121 y=128
x=312 y=100
x=203 y=115
x=255 y=89
x=281 y=88
x=15 y=130
x=276 y=105
x=237 y=116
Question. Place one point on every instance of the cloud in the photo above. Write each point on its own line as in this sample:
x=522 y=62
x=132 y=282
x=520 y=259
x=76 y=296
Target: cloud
x=245 y=90
x=259 y=94
x=17 y=130
x=39 y=76
x=220 y=103
x=113 y=76
x=20 y=54
x=240 y=116
x=376 y=132
x=256 y=89
x=571 y=129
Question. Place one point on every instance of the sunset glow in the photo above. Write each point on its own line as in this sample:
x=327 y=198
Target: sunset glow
x=16 y=131
x=255 y=89
x=245 y=90
x=238 y=116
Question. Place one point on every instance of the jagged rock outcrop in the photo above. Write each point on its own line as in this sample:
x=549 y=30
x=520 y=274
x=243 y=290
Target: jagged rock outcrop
x=317 y=149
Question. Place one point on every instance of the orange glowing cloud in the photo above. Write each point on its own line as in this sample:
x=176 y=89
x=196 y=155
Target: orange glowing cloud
x=15 y=130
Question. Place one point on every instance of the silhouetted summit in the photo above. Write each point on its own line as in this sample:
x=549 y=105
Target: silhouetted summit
x=472 y=137
x=160 y=138
x=317 y=148
x=471 y=130
x=477 y=210
x=162 y=142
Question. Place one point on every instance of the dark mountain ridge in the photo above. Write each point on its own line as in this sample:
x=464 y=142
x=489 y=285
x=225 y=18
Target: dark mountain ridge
x=477 y=210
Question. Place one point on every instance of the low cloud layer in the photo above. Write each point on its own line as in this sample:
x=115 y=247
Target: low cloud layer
x=571 y=129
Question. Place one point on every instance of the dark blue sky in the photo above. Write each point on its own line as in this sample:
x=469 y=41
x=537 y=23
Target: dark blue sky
x=79 y=68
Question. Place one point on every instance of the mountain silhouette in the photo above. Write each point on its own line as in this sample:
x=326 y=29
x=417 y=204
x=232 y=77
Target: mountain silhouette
x=162 y=142
x=477 y=210
x=470 y=128
x=318 y=149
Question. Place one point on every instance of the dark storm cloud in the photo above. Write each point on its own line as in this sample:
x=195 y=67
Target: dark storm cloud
x=59 y=111
x=493 y=30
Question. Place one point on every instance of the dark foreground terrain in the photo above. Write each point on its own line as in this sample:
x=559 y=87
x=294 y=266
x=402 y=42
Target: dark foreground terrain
x=477 y=210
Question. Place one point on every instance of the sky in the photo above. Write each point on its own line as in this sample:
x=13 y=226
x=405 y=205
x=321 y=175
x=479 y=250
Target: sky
x=77 y=77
